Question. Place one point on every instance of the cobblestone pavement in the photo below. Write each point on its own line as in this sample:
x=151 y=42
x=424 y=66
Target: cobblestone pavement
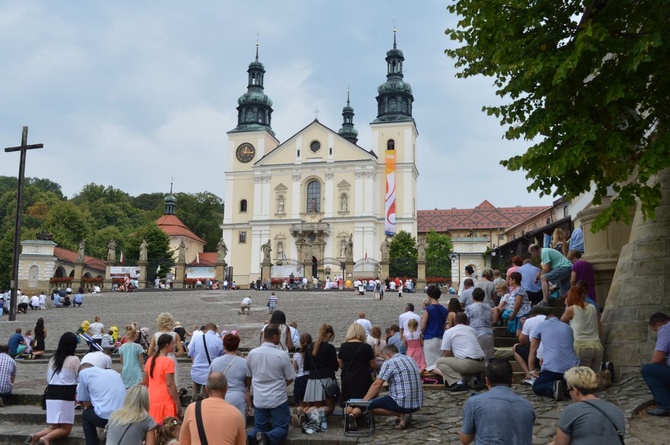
x=439 y=420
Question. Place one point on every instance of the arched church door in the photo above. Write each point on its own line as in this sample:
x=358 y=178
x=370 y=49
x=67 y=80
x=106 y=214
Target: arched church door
x=314 y=266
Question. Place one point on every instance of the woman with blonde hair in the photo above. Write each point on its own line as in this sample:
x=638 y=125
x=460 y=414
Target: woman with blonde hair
x=132 y=358
x=356 y=359
x=321 y=362
x=589 y=419
x=131 y=424
x=165 y=325
x=558 y=241
x=158 y=376
x=584 y=319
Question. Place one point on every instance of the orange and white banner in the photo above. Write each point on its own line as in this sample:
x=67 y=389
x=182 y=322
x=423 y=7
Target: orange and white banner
x=389 y=207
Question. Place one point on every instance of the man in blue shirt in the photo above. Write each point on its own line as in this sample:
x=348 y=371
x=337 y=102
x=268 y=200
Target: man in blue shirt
x=202 y=351
x=499 y=415
x=528 y=274
x=559 y=356
x=102 y=391
x=17 y=344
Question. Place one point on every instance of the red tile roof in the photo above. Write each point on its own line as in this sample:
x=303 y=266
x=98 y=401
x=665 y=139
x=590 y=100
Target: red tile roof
x=69 y=256
x=484 y=216
x=173 y=226
x=206 y=259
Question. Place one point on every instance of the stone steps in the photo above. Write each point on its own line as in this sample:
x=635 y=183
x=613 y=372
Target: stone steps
x=18 y=422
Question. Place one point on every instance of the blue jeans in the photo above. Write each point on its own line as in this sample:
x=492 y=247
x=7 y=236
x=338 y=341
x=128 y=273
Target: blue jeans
x=544 y=383
x=279 y=416
x=89 y=422
x=657 y=378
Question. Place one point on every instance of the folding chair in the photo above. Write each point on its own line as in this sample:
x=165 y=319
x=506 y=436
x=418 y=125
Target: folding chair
x=368 y=415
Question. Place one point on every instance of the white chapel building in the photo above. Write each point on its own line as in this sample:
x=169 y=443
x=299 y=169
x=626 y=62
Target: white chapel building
x=319 y=198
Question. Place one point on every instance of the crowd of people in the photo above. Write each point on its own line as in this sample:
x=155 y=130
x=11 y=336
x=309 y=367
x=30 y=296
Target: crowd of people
x=560 y=357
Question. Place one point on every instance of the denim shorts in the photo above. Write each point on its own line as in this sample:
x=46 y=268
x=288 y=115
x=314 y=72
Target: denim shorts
x=387 y=403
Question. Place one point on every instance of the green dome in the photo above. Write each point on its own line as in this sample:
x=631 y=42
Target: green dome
x=254 y=97
x=396 y=86
x=256 y=65
x=396 y=53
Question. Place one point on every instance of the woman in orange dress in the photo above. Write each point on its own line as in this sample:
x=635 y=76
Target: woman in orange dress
x=158 y=376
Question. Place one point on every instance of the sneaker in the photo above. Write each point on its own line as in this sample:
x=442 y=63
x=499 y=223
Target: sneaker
x=558 y=390
x=541 y=304
x=262 y=438
x=528 y=381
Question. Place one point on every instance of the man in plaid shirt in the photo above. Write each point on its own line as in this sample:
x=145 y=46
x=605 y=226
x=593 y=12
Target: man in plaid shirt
x=7 y=372
x=405 y=387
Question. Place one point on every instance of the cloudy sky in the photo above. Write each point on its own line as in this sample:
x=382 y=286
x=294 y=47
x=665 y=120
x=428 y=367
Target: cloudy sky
x=127 y=93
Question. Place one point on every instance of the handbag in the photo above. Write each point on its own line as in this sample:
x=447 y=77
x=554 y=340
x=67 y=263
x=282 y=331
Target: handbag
x=619 y=433
x=332 y=390
x=43 y=400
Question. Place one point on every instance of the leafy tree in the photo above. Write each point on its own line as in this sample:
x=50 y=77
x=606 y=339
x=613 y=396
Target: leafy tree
x=149 y=202
x=591 y=94
x=68 y=224
x=202 y=213
x=402 y=255
x=97 y=245
x=438 y=249
x=158 y=246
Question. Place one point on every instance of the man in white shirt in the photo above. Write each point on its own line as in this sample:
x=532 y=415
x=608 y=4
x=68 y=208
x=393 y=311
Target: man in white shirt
x=462 y=356
x=245 y=306
x=521 y=349
x=271 y=372
x=406 y=316
x=364 y=322
x=34 y=302
x=100 y=359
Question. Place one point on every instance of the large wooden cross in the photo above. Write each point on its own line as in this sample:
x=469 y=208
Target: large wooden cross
x=23 y=148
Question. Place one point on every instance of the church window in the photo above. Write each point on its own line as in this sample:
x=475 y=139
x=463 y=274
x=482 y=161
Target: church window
x=390 y=144
x=243 y=237
x=243 y=205
x=314 y=197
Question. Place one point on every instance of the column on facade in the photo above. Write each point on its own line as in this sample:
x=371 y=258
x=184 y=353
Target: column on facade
x=296 y=198
x=331 y=198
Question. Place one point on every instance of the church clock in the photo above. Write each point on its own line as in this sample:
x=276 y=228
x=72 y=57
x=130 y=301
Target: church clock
x=245 y=152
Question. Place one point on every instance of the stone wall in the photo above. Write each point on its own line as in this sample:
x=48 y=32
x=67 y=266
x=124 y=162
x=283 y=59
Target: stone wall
x=640 y=287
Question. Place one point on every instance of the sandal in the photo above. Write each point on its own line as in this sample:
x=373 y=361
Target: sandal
x=351 y=423
x=29 y=440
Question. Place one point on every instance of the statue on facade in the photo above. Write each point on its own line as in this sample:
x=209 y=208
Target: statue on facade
x=221 y=251
x=280 y=250
x=421 y=249
x=143 y=250
x=266 y=248
x=350 y=248
x=181 y=257
x=313 y=205
x=280 y=205
x=111 y=251
x=344 y=205
x=385 y=249
x=343 y=248
x=80 y=250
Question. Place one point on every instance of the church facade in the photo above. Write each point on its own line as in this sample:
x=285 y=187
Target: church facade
x=319 y=200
